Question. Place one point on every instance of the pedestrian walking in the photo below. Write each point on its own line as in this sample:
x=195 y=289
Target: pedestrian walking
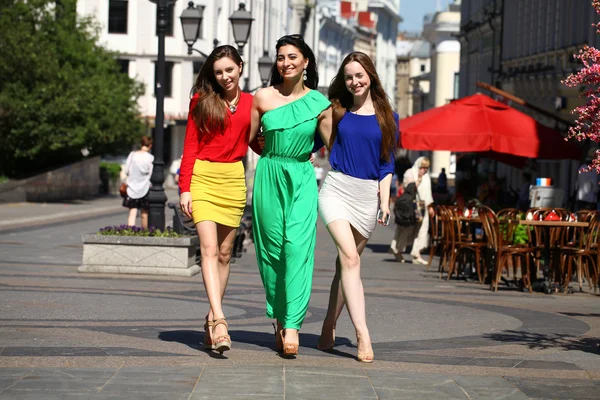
x=319 y=172
x=211 y=176
x=363 y=143
x=408 y=216
x=419 y=172
x=285 y=188
x=138 y=169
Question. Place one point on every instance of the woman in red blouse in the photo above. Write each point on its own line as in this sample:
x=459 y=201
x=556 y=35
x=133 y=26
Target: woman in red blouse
x=211 y=178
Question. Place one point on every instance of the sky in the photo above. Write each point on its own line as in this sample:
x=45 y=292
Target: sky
x=412 y=12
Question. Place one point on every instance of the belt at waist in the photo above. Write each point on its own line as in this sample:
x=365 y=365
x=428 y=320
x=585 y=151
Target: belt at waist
x=296 y=159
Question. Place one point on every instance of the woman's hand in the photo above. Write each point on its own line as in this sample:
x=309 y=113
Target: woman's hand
x=385 y=213
x=185 y=203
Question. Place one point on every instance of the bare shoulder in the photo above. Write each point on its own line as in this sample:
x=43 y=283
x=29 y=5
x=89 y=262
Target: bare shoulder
x=263 y=94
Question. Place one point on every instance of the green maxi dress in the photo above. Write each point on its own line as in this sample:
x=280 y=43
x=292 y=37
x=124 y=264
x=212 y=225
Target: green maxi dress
x=284 y=203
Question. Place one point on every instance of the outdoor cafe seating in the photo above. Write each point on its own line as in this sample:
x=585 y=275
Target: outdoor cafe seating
x=541 y=249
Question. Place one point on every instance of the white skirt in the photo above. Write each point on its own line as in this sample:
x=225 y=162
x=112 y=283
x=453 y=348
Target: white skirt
x=352 y=199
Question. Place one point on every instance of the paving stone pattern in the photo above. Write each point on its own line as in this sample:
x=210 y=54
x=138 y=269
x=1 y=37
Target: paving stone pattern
x=66 y=335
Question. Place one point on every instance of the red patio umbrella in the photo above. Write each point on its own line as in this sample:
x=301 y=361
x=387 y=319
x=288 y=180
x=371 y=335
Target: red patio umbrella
x=479 y=123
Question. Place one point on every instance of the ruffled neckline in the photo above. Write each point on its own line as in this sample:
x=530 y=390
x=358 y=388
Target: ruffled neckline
x=291 y=114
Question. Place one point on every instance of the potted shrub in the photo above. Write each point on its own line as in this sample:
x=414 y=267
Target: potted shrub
x=133 y=250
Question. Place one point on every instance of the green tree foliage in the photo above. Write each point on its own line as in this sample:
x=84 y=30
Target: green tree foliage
x=60 y=91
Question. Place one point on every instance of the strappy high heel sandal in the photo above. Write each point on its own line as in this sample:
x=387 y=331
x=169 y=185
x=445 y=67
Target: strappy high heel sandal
x=326 y=346
x=290 y=349
x=208 y=343
x=278 y=339
x=365 y=357
x=223 y=342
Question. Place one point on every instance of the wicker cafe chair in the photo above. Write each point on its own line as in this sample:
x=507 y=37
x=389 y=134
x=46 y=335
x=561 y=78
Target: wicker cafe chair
x=435 y=242
x=538 y=237
x=585 y=256
x=448 y=242
x=460 y=243
x=504 y=249
x=508 y=220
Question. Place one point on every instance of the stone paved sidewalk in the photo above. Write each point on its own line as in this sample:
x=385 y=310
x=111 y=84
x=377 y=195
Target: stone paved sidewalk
x=273 y=382
x=70 y=335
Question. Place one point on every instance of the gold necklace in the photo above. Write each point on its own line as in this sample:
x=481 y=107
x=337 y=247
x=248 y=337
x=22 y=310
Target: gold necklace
x=233 y=105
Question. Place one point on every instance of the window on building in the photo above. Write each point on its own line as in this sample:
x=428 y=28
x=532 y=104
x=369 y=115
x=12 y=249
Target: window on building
x=197 y=67
x=117 y=16
x=124 y=65
x=422 y=67
x=168 y=85
x=170 y=20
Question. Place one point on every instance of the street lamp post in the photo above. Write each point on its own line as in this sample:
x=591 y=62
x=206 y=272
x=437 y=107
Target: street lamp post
x=157 y=197
x=241 y=22
x=264 y=68
x=191 y=21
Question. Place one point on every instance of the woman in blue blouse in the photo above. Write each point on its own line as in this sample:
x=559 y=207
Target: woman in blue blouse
x=363 y=141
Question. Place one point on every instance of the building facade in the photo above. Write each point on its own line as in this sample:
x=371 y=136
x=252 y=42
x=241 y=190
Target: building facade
x=336 y=40
x=481 y=43
x=526 y=48
x=388 y=18
x=412 y=79
x=129 y=28
x=440 y=31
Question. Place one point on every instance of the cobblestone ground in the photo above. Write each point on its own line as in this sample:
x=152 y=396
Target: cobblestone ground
x=69 y=335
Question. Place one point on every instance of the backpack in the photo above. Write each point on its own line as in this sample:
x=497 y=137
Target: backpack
x=404 y=209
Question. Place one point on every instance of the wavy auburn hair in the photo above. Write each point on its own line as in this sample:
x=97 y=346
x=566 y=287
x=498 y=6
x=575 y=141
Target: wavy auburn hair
x=342 y=100
x=210 y=114
x=312 y=76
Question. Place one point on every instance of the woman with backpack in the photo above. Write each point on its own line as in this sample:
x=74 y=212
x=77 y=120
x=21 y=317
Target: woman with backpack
x=409 y=210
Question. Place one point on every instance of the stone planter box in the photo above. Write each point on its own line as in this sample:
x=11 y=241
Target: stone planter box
x=140 y=255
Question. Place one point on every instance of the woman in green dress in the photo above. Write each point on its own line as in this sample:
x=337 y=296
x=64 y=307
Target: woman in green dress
x=285 y=190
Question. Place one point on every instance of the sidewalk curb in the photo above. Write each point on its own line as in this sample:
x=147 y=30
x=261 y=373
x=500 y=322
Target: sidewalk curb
x=40 y=221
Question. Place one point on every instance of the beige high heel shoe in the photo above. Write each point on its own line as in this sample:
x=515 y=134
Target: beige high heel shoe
x=222 y=342
x=364 y=357
x=208 y=343
x=290 y=349
x=326 y=346
x=278 y=338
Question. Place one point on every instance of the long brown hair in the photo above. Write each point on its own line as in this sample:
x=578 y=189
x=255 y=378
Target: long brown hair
x=342 y=100
x=210 y=114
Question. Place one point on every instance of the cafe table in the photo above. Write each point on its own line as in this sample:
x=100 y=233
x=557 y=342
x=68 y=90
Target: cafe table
x=548 y=225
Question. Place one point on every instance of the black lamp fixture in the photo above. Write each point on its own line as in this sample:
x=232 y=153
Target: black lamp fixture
x=191 y=21
x=264 y=68
x=241 y=22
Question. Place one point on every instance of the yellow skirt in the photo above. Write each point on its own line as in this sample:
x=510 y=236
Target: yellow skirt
x=218 y=192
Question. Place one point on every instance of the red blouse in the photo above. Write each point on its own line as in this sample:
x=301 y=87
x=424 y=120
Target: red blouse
x=226 y=147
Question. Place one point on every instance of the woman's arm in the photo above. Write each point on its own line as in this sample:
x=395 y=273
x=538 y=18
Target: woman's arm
x=256 y=113
x=384 y=197
x=325 y=125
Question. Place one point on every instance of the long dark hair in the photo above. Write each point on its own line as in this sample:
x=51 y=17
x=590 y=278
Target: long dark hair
x=342 y=100
x=312 y=76
x=209 y=114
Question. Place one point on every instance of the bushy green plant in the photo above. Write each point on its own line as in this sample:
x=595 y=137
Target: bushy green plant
x=520 y=235
x=113 y=168
x=61 y=90
x=128 y=230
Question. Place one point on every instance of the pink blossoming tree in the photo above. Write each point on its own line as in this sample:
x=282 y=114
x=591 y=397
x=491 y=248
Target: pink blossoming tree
x=587 y=125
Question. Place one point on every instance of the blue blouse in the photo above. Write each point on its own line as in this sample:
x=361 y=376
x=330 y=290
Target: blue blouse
x=357 y=148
